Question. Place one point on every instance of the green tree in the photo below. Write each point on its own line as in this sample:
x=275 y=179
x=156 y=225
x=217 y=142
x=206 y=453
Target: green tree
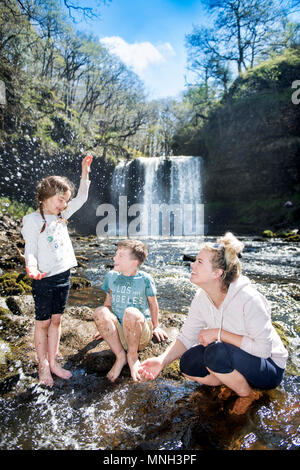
x=241 y=30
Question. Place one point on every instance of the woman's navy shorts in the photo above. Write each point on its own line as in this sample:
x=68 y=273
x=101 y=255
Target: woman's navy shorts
x=223 y=358
x=51 y=295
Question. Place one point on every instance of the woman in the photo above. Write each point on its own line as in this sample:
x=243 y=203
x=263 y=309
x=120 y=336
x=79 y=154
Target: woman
x=228 y=337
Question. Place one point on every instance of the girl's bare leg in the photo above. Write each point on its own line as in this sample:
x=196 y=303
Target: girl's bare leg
x=41 y=346
x=54 y=333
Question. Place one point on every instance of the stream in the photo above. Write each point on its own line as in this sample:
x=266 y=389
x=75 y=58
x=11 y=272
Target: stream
x=88 y=413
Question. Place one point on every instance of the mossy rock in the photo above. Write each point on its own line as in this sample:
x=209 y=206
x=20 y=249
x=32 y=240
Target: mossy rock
x=172 y=371
x=14 y=283
x=289 y=235
x=79 y=283
x=268 y=234
x=12 y=328
x=295 y=237
x=281 y=332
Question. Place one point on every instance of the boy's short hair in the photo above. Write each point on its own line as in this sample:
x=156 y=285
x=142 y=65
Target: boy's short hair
x=138 y=249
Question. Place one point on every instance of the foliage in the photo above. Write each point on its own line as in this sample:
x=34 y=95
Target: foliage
x=254 y=100
x=67 y=93
x=15 y=209
x=240 y=33
x=63 y=87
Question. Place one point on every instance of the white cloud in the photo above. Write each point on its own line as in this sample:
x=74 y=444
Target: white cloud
x=139 y=55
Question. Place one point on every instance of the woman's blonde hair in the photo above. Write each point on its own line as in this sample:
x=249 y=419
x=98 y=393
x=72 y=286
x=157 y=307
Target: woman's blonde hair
x=50 y=186
x=225 y=255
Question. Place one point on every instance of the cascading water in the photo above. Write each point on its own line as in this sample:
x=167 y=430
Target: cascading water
x=166 y=192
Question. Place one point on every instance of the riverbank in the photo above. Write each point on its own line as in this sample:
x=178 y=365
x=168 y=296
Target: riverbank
x=88 y=412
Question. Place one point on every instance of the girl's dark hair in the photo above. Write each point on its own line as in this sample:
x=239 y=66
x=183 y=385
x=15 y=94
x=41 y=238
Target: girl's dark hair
x=49 y=187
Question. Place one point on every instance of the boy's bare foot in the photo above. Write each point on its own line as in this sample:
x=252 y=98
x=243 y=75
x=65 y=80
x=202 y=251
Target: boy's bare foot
x=45 y=376
x=242 y=403
x=134 y=365
x=97 y=336
x=60 y=372
x=116 y=369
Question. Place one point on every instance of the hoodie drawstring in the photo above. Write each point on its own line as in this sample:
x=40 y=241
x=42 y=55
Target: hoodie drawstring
x=220 y=328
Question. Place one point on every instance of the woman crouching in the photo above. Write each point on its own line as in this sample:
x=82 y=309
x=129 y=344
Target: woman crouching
x=228 y=337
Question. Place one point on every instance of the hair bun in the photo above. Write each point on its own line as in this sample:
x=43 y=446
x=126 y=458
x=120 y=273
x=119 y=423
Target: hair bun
x=231 y=243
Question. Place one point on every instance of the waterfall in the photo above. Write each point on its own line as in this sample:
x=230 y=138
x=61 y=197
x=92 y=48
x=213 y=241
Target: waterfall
x=157 y=196
x=186 y=180
x=119 y=181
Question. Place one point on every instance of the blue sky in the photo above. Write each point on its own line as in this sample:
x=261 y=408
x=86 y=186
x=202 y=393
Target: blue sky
x=149 y=36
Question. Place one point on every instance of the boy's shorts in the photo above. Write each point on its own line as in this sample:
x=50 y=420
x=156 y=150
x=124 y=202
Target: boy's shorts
x=51 y=295
x=146 y=336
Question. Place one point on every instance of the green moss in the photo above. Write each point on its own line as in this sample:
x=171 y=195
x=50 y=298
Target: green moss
x=172 y=371
x=13 y=283
x=15 y=209
x=288 y=235
x=10 y=328
x=280 y=330
x=79 y=283
x=268 y=234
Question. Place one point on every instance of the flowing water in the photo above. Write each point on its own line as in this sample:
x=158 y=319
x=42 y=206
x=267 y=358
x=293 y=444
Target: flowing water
x=87 y=412
x=156 y=187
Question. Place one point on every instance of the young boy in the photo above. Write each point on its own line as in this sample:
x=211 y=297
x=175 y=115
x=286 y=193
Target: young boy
x=129 y=316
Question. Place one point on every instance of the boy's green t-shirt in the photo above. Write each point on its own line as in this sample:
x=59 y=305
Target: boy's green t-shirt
x=129 y=291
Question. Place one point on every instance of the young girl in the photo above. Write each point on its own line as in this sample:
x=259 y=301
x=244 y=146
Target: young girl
x=49 y=255
x=228 y=337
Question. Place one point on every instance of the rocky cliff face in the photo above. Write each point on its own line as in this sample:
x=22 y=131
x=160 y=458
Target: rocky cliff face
x=253 y=152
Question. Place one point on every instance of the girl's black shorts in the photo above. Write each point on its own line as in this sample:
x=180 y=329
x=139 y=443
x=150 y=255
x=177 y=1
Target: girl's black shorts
x=50 y=295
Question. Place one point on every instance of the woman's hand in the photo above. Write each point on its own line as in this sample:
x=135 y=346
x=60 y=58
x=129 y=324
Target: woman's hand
x=150 y=368
x=207 y=336
x=86 y=164
x=34 y=273
x=160 y=334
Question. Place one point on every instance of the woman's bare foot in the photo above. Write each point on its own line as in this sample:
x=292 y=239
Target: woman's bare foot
x=225 y=393
x=60 y=372
x=134 y=365
x=242 y=403
x=116 y=369
x=45 y=376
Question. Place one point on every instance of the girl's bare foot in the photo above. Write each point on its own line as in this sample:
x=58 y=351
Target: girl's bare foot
x=116 y=369
x=60 y=372
x=242 y=403
x=45 y=376
x=134 y=365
